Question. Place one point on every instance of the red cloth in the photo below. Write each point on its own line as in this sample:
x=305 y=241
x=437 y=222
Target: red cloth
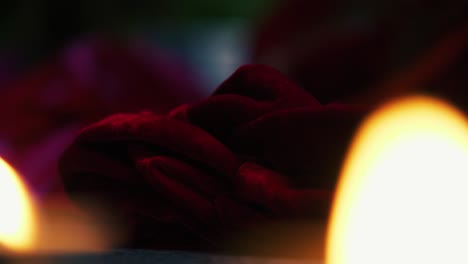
x=259 y=150
x=42 y=111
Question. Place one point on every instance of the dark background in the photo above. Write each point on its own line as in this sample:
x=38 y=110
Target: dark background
x=211 y=35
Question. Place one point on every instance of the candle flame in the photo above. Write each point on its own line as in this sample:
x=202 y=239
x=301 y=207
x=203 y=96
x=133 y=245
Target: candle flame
x=27 y=227
x=17 y=220
x=403 y=192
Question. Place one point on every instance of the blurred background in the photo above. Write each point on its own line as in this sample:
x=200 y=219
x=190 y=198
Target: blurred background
x=212 y=37
x=313 y=42
x=66 y=64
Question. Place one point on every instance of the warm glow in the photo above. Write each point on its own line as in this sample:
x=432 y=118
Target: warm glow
x=17 y=219
x=403 y=192
x=27 y=227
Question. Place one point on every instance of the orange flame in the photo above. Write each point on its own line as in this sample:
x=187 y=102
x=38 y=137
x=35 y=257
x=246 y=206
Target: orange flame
x=403 y=192
x=27 y=228
x=18 y=219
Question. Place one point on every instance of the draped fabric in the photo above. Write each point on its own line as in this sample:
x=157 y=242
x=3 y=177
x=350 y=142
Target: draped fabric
x=260 y=150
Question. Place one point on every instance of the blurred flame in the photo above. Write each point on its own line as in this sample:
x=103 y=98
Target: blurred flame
x=27 y=227
x=17 y=219
x=403 y=192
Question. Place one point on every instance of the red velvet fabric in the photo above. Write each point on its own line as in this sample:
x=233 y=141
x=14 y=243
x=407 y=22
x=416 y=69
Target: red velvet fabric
x=259 y=150
x=42 y=111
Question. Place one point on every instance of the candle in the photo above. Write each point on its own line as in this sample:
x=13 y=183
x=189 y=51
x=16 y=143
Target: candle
x=400 y=199
x=18 y=220
x=30 y=228
x=32 y=233
x=403 y=192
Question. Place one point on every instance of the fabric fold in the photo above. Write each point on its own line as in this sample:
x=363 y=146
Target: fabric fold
x=259 y=151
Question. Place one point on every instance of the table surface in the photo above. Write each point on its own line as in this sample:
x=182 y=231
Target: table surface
x=150 y=256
